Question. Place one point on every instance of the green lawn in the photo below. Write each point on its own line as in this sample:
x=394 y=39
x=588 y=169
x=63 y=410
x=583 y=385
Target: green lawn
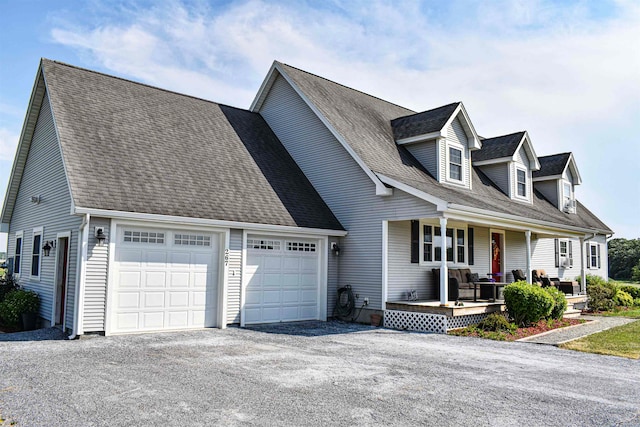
x=631 y=313
x=623 y=341
x=625 y=282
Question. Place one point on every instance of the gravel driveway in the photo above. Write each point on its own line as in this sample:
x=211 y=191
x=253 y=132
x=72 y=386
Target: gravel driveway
x=310 y=374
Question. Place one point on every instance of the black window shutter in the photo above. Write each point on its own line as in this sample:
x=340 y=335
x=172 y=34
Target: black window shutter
x=415 y=241
x=570 y=253
x=470 y=245
x=598 y=246
x=557 y=245
x=588 y=252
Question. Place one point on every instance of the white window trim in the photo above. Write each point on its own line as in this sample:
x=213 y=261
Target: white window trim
x=38 y=231
x=19 y=235
x=527 y=192
x=455 y=228
x=591 y=266
x=463 y=160
x=568 y=255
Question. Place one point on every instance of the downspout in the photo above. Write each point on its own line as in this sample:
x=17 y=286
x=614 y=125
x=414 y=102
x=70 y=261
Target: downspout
x=82 y=230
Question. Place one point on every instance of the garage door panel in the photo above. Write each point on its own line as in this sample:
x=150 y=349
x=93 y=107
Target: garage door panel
x=165 y=286
x=152 y=320
x=155 y=279
x=129 y=300
x=154 y=299
x=280 y=281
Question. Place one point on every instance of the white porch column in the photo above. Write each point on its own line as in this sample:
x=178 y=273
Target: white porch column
x=444 y=272
x=583 y=271
x=527 y=238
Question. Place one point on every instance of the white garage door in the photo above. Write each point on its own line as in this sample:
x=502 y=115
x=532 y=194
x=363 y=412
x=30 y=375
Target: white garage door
x=165 y=279
x=283 y=280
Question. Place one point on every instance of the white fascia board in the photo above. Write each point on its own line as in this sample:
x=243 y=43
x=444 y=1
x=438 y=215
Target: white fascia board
x=546 y=178
x=420 y=138
x=475 y=144
x=170 y=219
x=265 y=87
x=381 y=190
x=515 y=220
x=441 y=205
x=492 y=161
x=64 y=163
x=24 y=142
x=534 y=164
x=571 y=163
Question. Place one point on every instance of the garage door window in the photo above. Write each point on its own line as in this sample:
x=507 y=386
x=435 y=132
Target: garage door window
x=143 y=237
x=269 y=245
x=301 y=247
x=192 y=240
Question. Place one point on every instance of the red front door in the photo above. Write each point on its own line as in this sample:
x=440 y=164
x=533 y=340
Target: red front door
x=63 y=261
x=496 y=254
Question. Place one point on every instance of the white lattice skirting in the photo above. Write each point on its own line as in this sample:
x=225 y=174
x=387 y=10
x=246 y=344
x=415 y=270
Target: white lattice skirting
x=427 y=322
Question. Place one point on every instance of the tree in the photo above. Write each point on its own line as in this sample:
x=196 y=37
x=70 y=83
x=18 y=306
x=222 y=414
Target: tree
x=624 y=255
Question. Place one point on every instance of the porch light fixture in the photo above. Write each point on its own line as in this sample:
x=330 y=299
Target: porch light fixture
x=36 y=199
x=48 y=245
x=100 y=236
x=335 y=248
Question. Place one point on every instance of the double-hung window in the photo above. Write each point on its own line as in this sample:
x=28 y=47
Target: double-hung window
x=455 y=164
x=522 y=182
x=36 y=253
x=455 y=242
x=17 y=255
x=594 y=255
x=567 y=196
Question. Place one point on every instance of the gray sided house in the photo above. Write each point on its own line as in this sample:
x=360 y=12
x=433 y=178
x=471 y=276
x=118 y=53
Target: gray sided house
x=165 y=211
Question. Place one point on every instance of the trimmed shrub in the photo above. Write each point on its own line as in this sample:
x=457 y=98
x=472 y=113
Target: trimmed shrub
x=18 y=302
x=636 y=302
x=527 y=303
x=560 y=302
x=601 y=297
x=7 y=285
x=496 y=322
x=634 y=291
x=623 y=299
x=592 y=280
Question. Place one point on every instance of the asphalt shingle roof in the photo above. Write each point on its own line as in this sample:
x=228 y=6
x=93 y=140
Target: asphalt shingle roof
x=135 y=148
x=498 y=147
x=552 y=165
x=364 y=122
x=422 y=123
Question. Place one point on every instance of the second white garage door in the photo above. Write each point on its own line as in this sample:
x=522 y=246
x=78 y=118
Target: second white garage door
x=283 y=280
x=164 y=279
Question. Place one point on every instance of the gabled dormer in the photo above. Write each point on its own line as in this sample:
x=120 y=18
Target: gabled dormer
x=442 y=140
x=509 y=161
x=556 y=180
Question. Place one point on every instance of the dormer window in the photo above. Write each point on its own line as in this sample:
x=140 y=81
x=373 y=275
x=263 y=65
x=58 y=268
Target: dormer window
x=522 y=182
x=455 y=164
x=568 y=202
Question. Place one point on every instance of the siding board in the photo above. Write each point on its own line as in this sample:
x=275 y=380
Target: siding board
x=234 y=281
x=44 y=176
x=95 y=287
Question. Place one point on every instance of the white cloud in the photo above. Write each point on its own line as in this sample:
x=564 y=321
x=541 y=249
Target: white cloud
x=568 y=75
x=8 y=144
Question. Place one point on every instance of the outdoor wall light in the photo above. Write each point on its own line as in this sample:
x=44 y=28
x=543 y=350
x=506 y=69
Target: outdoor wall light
x=36 y=199
x=48 y=245
x=100 y=236
x=335 y=248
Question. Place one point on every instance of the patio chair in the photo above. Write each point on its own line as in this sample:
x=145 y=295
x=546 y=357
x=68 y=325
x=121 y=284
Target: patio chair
x=518 y=275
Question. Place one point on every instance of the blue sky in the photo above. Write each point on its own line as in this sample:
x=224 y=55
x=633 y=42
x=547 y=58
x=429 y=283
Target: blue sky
x=566 y=71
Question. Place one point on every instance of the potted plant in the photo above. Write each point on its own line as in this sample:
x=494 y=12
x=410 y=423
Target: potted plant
x=20 y=306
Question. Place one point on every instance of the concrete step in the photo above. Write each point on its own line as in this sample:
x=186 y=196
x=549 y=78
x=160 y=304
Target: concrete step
x=572 y=313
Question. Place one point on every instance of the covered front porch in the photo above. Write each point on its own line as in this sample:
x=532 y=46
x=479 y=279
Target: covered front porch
x=421 y=256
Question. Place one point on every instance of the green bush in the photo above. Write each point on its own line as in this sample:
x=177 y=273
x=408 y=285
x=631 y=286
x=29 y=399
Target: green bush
x=527 y=303
x=592 y=280
x=634 y=291
x=560 y=302
x=636 y=302
x=601 y=297
x=18 y=302
x=7 y=285
x=622 y=298
x=496 y=322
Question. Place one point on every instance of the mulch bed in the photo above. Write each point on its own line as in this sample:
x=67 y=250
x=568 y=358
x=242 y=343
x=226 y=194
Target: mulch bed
x=538 y=328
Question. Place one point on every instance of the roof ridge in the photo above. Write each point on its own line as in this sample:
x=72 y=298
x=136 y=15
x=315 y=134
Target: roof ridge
x=138 y=83
x=503 y=136
x=347 y=87
x=556 y=154
x=429 y=110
